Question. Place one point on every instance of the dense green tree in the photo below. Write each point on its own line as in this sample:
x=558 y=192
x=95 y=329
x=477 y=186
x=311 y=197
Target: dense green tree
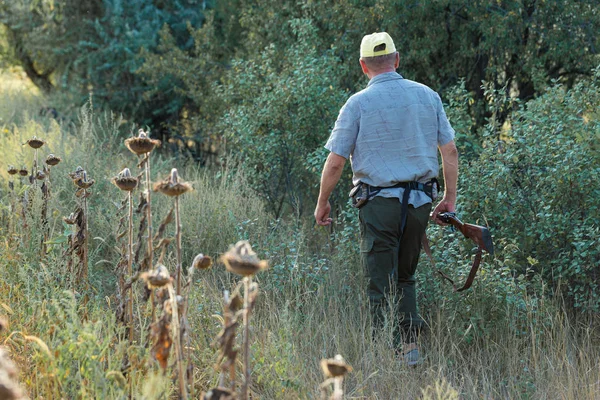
x=519 y=45
x=82 y=46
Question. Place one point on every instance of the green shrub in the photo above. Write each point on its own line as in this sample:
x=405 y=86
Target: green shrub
x=536 y=183
x=282 y=103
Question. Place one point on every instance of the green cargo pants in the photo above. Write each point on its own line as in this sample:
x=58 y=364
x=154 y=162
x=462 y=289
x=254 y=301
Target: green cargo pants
x=390 y=258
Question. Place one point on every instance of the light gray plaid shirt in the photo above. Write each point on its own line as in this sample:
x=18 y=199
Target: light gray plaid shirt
x=391 y=131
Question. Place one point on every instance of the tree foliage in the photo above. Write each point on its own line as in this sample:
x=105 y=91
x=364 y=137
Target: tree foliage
x=90 y=46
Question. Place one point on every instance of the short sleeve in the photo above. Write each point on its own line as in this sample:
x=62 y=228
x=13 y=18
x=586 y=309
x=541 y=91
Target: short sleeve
x=345 y=131
x=445 y=131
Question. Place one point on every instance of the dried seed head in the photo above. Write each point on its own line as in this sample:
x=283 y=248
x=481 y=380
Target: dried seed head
x=125 y=181
x=12 y=170
x=9 y=387
x=82 y=193
x=157 y=277
x=83 y=182
x=174 y=176
x=126 y=173
x=219 y=393
x=71 y=219
x=40 y=175
x=53 y=160
x=77 y=174
x=335 y=367
x=172 y=185
x=23 y=171
x=35 y=142
x=202 y=262
x=242 y=260
x=141 y=144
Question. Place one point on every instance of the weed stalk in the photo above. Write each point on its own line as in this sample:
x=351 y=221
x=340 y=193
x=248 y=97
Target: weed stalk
x=11 y=187
x=174 y=187
x=148 y=207
x=130 y=262
x=242 y=260
x=177 y=339
x=246 y=343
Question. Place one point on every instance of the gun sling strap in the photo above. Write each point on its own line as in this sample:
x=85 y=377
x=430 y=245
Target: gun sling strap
x=472 y=273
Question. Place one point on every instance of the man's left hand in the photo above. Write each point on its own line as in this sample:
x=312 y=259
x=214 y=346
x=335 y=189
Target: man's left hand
x=322 y=214
x=444 y=206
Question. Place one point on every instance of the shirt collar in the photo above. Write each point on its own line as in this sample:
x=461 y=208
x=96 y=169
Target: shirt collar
x=386 y=76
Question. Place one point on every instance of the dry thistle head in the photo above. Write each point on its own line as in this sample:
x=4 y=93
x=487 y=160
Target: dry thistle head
x=172 y=185
x=242 y=260
x=35 y=142
x=53 y=160
x=12 y=170
x=157 y=277
x=83 y=182
x=23 y=171
x=82 y=193
x=202 y=262
x=40 y=175
x=9 y=388
x=125 y=181
x=71 y=219
x=77 y=174
x=141 y=144
x=219 y=393
x=335 y=367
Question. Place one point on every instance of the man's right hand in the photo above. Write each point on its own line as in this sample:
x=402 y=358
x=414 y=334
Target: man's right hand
x=322 y=214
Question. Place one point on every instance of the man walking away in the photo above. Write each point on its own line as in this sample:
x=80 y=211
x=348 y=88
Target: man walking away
x=391 y=131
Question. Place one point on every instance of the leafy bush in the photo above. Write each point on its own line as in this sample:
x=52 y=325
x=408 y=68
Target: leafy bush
x=537 y=184
x=282 y=104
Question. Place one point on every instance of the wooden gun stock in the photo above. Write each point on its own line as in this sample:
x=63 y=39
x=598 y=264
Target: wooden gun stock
x=479 y=234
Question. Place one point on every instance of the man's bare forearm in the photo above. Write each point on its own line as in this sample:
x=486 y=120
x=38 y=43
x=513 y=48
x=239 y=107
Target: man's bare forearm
x=450 y=167
x=332 y=171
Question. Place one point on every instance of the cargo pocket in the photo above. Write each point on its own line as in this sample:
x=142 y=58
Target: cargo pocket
x=366 y=247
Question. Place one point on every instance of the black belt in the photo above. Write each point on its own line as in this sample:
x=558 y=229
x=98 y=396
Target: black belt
x=408 y=187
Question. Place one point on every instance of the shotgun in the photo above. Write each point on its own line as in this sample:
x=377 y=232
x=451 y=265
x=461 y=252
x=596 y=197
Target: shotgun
x=479 y=234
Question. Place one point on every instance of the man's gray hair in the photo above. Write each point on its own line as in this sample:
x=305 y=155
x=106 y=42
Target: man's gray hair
x=379 y=63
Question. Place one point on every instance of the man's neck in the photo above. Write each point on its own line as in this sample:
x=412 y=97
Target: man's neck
x=372 y=75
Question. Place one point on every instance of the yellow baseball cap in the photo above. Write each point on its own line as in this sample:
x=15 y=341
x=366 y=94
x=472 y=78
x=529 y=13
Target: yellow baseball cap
x=377 y=44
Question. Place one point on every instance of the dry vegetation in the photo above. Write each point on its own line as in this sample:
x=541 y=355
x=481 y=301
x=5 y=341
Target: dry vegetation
x=148 y=319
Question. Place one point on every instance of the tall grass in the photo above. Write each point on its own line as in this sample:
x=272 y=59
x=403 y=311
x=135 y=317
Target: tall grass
x=502 y=339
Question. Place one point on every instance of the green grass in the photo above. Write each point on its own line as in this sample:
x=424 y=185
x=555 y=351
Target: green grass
x=502 y=339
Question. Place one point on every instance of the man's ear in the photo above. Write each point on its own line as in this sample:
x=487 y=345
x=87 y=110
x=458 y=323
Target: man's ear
x=397 y=62
x=365 y=70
